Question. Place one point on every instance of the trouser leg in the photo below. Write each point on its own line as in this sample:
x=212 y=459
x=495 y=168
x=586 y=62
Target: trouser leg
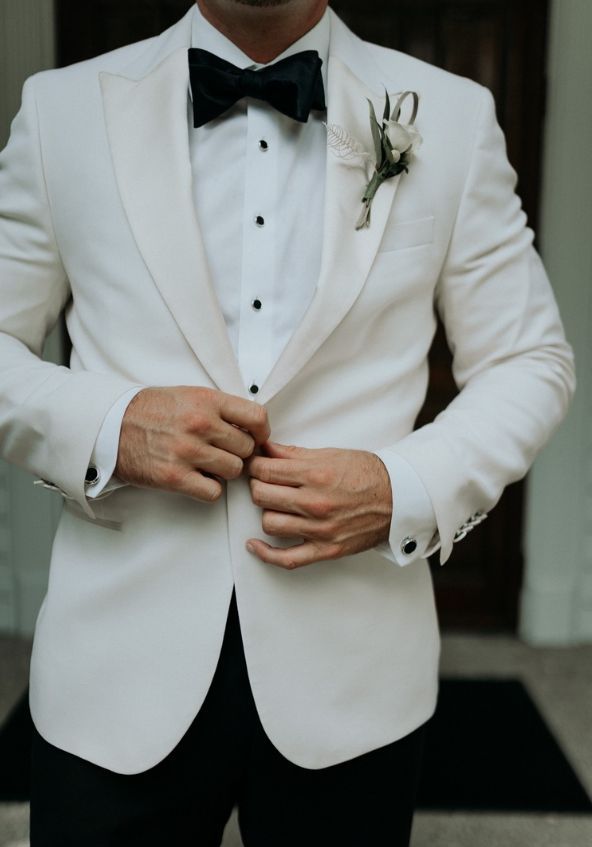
x=365 y=802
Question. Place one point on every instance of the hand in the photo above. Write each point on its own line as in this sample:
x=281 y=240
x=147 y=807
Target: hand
x=338 y=501
x=180 y=439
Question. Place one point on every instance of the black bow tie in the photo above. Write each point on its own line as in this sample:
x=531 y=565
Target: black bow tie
x=293 y=86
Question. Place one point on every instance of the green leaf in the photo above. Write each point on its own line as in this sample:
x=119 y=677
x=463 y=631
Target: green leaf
x=387 y=106
x=376 y=134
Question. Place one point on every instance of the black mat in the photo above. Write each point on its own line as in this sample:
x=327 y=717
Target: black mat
x=488 y=750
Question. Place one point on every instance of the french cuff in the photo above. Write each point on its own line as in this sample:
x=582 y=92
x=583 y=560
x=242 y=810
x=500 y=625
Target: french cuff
x=413 y=533
x=99 y=478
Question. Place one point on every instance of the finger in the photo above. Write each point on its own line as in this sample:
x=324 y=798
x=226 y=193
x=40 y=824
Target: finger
x=234 y=440
x=280 y=498
x=275 y=450
x=289 y=558
x=195 y=484
x=282 y=525
x=220 y=463
x=246 y=414
x=278 y=471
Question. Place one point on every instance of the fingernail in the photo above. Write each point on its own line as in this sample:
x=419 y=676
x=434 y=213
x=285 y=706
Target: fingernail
x=250 y=547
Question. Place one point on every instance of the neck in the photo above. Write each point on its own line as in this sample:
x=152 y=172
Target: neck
x=263 y=31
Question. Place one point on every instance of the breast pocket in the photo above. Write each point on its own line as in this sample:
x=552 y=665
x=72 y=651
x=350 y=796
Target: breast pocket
x=408 y=234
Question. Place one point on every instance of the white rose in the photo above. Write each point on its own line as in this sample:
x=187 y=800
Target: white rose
x=402 y=137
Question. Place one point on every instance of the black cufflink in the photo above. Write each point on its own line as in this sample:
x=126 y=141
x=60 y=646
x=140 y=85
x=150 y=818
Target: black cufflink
x=92 y=476
x=408 y=546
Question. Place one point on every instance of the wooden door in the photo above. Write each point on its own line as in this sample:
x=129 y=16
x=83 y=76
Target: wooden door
x=500 y=43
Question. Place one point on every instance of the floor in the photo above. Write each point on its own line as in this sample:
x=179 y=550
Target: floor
x=559 y=679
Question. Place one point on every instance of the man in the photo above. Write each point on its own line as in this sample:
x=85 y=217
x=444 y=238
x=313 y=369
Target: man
x=233 y=438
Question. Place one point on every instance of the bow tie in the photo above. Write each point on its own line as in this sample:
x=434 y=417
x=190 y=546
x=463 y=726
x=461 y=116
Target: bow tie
x=293 y=85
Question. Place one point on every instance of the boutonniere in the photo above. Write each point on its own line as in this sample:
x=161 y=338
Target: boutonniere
x=394 y=145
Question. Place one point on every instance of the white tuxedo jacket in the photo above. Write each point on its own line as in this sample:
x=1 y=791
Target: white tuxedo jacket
x=96 y=216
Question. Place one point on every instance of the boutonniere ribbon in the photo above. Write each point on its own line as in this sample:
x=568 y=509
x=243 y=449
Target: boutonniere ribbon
x=394 y=146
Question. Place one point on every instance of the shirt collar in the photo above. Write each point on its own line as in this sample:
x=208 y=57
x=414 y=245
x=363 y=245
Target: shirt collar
x=207 y=37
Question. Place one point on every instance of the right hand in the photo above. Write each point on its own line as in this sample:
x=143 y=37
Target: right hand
x=186 y=439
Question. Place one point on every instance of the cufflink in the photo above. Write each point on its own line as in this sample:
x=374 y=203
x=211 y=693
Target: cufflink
x=408 y=545
x=92 y=476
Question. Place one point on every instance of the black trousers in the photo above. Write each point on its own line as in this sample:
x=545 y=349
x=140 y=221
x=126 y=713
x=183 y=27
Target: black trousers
x=223 y=760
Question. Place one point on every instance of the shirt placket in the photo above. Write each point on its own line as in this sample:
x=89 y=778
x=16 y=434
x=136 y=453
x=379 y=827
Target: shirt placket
x=260 y=232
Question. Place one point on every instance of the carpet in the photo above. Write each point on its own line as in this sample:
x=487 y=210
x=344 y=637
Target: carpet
x=488 y=749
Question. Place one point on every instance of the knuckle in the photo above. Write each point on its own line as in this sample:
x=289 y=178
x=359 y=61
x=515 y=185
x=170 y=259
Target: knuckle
x=326 y=532
x=210 y=495
x=236 y=468
x=320 y=508
x=256 y=492
x=198 y=421
x=260 y=415
x=262 y=470
x=269 y=523
x=333 y=551
x=246 y=448
x=172 y=477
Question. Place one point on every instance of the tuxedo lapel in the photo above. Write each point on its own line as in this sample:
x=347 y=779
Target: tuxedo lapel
x=348 y=254
x=148 y=135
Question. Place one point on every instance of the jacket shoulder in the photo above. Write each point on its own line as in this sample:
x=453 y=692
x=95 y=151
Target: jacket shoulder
x=113 y=61
x=411 y=73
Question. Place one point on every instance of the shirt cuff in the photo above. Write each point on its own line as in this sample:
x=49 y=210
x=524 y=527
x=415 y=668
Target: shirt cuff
x=100 y=479
x=414 y=531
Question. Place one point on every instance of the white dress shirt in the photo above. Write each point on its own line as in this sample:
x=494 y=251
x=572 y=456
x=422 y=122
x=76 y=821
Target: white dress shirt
x=258 y=180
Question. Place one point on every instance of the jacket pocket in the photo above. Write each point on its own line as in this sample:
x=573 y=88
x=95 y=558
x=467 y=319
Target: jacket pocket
x=408 y=234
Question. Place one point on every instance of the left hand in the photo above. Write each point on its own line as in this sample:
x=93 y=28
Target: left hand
x=338 y=502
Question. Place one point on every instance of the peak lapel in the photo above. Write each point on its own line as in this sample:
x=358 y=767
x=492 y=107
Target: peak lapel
x=348 y=254
x=147 y=129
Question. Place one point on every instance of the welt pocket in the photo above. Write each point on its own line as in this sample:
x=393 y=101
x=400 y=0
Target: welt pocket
x=408 y=234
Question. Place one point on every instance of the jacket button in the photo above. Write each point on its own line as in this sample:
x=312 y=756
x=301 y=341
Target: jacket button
x=254 y=389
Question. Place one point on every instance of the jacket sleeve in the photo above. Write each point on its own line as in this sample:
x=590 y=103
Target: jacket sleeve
x=49 y=415
x=511 y=361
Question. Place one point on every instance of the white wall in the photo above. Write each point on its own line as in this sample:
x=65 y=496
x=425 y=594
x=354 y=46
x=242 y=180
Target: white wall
x=27 y=515
x=557 y=595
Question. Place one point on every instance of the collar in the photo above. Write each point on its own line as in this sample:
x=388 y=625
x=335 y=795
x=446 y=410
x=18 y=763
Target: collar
x=206 y=36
